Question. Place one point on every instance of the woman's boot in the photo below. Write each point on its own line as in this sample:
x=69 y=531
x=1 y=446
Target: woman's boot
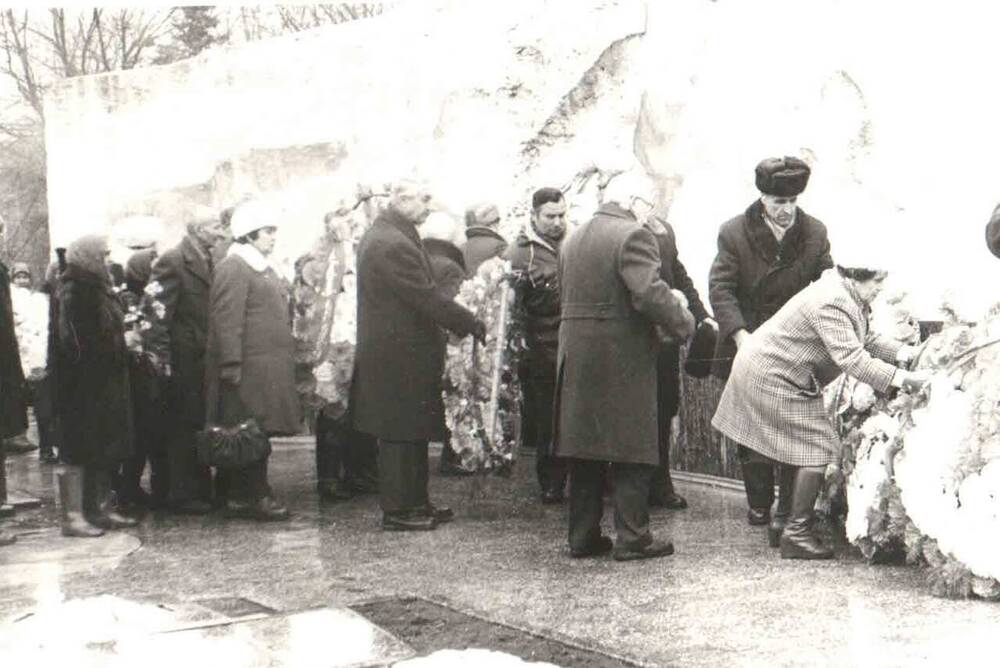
x=786 y=482
x=74 y=524
x=797 y=539
x=99 y=503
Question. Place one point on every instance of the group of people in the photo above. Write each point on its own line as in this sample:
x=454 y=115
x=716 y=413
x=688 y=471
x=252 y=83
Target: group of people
x=194 y=341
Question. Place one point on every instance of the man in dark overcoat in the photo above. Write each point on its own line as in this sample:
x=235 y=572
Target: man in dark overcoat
x=613 y=302
x=668 y=386
x=396 y=390
x=534 y=259
x=766 y=255
x=13 y=409
x=181 y=280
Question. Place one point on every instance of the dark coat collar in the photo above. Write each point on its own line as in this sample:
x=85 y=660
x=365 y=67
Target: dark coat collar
x=762 y=238
x=480 y=231
x=194 y=259
x=442 y=248
x=392 y=217
x=614 y=210
x=80 y=275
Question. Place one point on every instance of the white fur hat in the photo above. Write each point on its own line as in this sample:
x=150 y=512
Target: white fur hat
x=251 y=216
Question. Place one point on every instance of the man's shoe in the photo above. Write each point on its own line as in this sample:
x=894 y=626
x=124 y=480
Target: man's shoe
x=757 y=517
x=7 y=510
x=269 y=510
x=16 y=445
x=668 y=501
x=192 y=507
x=551 y=497
x=602 y=545
x=657 y=548
x=405 y=522
x=108 y=517
x=441 y=514
x=362 y=485
x=332 y=490
x=451 y=469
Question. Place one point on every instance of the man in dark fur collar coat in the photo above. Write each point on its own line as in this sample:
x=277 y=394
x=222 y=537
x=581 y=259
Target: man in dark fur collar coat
x=766 y=255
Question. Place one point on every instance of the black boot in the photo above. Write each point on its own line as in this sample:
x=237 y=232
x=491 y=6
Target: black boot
x=798 y=540
x=99 y=501
x=786 y=482
x=74 y=522
x=758 y=480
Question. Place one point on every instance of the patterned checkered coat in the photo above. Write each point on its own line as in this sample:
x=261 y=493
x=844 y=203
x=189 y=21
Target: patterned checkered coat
x=773 y=401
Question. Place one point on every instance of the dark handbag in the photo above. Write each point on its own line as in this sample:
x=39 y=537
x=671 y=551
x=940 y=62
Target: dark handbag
x=232 y=447
x=701 y=352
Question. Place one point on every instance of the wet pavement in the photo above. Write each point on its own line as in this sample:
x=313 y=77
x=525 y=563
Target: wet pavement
x=724 y=598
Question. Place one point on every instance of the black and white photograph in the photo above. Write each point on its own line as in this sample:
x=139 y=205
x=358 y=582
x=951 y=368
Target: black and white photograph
x=500 y=333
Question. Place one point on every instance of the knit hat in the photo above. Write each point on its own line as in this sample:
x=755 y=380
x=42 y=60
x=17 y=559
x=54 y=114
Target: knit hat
x=782 y=177
x=252 y=216
x=993 y=232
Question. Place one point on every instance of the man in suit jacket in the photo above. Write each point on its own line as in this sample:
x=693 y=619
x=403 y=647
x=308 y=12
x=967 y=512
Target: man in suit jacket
x=668 y=385
x=613 y=300
x=181 y=280
x=398 y=366
x=766 y=255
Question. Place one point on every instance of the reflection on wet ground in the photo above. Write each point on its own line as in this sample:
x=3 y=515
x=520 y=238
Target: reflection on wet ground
x=724 y=598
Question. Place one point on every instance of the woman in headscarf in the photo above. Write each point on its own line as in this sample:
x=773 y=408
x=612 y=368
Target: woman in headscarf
x=148 y=408
x=250 y=360
x=92 y=396
x=773 y=402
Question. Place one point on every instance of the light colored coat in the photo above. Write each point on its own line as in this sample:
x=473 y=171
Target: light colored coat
x=773 y=401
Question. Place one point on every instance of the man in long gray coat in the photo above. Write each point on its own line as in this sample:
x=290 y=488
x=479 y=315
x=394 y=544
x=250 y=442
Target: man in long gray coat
x=181 y=280
x=614 y=308
x=396 y=390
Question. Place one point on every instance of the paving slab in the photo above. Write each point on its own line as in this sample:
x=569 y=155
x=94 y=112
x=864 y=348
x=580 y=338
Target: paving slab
x=724 y=598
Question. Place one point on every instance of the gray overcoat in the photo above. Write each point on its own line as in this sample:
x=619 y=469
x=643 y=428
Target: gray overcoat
x=612 y=297
x=773 y=402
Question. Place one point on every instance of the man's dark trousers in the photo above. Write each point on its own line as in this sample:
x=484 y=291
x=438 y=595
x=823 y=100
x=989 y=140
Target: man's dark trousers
x=403 y=475
x=586 y=503
x=538 y=392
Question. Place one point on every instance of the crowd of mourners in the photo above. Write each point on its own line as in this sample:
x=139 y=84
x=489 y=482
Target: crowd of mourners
x=144 y=363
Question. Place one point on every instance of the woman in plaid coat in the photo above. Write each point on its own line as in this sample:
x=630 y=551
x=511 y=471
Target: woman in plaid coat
x=773 y=401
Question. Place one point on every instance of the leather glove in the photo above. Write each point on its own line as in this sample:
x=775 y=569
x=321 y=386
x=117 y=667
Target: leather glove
x=231 y=374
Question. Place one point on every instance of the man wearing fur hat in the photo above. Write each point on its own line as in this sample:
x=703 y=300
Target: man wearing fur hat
x=614 y=305
x=766 y=255
x=181 y=279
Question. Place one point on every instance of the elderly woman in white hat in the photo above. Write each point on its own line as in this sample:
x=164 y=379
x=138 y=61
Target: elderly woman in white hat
x=773 y=402
x=250 y=363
